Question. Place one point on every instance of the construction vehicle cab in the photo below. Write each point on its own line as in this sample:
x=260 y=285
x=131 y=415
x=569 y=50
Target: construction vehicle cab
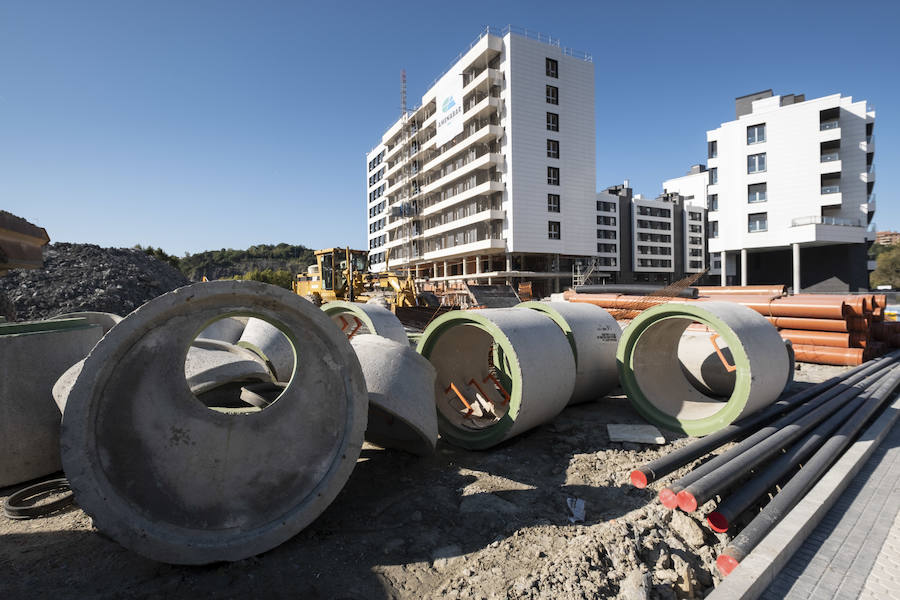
x=337 y=275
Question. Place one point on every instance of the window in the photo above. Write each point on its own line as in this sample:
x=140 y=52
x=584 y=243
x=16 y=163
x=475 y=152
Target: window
x=713 y=229
x=757 y=222
x=553 y=230
x=601 y=220
x=552 y=94
x=694 y=216
x=712 y=149
x=606 y=234
x=552 y=176
x=610 y=248
x=552 y=68
x=756 y=163
x=756 y=134
x=714 y=176
x=553 y=202
x=712 y=202
x=552 y=148
x=756 y=192
x=604 y=206
x=552 y=121
x=695 y=240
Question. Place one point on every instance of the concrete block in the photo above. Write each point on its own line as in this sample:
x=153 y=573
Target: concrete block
x=33 y=356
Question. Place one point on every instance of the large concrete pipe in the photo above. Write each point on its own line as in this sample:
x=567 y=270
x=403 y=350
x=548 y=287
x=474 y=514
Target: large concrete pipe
x=212 y=363
x=593 y=335
x=500 y=372
x=654 y=380
x=172 y=480
x=228 y=329
x=354 y=318
x=33 y=356
x=270 y=344
x=401 y=394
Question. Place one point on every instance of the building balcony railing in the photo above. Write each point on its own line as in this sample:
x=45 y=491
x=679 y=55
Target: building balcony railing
x=826 y=125
x=831 y=156
x=820 y=220
x=831 y=189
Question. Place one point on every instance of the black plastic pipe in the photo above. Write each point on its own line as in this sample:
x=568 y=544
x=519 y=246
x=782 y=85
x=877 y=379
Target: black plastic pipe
x=635 y=290
x=729 y=473
x=655 y=469
x=801 y=483
x=752 y=490
x=668 y=495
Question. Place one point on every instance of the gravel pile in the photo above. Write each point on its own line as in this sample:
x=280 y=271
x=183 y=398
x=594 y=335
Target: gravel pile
x=85 y=277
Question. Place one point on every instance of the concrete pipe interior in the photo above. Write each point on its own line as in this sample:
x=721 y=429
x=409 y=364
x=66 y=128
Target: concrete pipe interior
x=361 y=319
x=477 y=388
x=229 y=386
x=707 y=370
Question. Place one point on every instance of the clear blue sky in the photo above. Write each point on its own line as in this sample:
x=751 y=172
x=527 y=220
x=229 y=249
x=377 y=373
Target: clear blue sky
x=195 y=125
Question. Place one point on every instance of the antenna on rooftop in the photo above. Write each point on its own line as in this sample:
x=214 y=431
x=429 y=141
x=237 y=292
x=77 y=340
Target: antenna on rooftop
x=403 y=109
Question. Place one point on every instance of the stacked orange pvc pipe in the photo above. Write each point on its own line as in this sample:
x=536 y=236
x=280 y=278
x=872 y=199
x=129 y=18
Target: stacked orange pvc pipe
x=823 y=328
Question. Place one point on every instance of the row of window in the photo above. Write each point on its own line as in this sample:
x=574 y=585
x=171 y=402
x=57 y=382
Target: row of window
x=756 y=134
x=377 y=242
x=376 y=176
x=377 y=225
x=377 y=209
x=604 y=206
x=655 y=250
x=652 y=211
x=755 y=222
x=377 y=192
x=376 y=161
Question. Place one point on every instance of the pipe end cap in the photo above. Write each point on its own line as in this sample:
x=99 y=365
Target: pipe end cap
x=668 y=498
x=686 y=501
x=726 y=564
x=717 y=522
x=638 y=479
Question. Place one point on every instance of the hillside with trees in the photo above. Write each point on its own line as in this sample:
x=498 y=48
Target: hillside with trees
x=262 y=262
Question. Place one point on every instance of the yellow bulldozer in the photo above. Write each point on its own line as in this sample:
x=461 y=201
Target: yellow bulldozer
x=343 y=274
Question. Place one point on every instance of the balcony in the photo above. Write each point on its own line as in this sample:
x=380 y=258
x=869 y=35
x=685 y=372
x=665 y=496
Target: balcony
x=820 y=220
x=830 y=157
x=484 y=188
x=869 y=175
x=482 y=107
x=830 y=124
x=484 y=244
x=485 y=215
x=483 y=134
x=481 y=162
x=834 y=188
x=494 y=76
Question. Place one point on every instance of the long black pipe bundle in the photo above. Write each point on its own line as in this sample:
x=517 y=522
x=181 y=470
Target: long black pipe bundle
x=731 y=471
x=635 y=289
x=801 y=483
x=753 y=489
x=668 y=494
x=664 y=465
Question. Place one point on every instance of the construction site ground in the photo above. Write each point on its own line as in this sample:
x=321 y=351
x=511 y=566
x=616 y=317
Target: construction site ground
x=458 y=524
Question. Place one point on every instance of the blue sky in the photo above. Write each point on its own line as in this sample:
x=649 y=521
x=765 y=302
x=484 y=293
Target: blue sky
x=195 y=125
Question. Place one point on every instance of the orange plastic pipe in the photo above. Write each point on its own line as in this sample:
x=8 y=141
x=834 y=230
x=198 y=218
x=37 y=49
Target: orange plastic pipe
x=839 y=325
x=817 y=338
x=827 y=355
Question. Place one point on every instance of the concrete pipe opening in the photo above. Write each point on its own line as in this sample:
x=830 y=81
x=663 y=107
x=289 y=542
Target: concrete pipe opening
x=354 y=318
x=661 y=387
x=499 y=372
x=176 y=482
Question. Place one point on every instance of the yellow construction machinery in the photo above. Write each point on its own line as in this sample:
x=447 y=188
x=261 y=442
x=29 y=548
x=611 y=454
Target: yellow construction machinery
x=343 y=274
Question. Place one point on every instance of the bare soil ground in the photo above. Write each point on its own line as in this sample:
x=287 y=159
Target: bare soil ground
x=458 y=524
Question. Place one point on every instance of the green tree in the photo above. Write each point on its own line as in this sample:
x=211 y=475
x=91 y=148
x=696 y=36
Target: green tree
x=887 y=268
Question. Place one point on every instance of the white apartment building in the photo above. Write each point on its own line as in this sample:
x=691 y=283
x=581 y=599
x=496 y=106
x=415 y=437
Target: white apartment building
x=790 y=191
x=640 y=239
x=492 y=177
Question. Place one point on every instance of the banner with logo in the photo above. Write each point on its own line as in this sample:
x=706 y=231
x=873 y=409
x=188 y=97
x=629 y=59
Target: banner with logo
x=449 y=100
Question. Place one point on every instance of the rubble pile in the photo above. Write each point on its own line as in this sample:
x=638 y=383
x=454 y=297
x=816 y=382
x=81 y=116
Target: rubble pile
x=86 y=277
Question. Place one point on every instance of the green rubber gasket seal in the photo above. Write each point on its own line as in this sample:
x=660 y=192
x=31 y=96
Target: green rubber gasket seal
x=477 y=439
x=557 y=318
x=625 y=363
x=43 y=326
x=340 y=307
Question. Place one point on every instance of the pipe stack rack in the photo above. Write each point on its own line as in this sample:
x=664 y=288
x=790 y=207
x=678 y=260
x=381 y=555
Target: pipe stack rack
x=832 y=329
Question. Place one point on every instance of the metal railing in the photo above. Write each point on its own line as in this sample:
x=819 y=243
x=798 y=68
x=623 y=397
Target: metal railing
x=825 y=125
x=831 y=156
x=831 y=189
x=820 y=220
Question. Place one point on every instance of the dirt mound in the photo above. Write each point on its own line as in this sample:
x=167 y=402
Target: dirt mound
x=79 y=277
